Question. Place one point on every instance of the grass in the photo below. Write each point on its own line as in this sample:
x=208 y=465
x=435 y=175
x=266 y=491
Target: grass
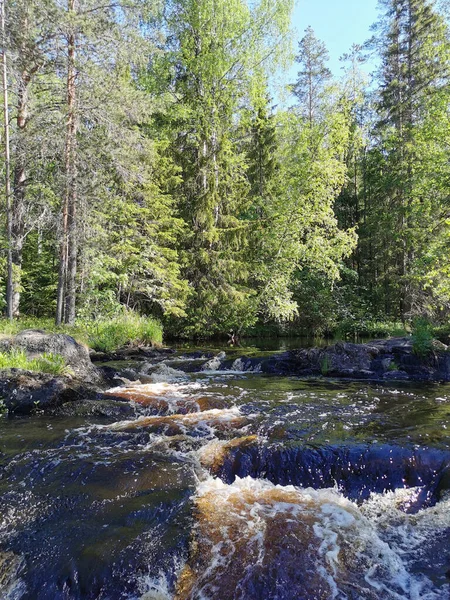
x=325 y=365
x=108 y=336
x=47 y=363
x=372 y=328
x=102 y=335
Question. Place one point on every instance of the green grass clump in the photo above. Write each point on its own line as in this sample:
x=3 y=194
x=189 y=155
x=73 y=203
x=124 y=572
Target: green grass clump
x=47 y=363
x=131 y=330
x=102 y=335
x=325 y=365
x=371 y=328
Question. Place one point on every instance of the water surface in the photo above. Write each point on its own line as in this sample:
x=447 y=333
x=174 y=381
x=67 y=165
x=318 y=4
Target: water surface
x=231 y=485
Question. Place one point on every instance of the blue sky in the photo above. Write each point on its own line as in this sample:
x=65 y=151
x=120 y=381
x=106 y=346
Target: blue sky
x=339 y=23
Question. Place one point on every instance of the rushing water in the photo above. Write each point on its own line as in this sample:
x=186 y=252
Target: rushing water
x=227 y=485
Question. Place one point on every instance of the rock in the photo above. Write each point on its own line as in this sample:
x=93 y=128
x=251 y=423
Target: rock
x=96 y=408
x=10 y=584
x=36 y=342
x=138 y=353
x=396 y=375
x=24 y=392
x=392 y=359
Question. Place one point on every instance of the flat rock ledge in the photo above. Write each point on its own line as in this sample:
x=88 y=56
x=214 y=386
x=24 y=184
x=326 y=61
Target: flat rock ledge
x=389 y=360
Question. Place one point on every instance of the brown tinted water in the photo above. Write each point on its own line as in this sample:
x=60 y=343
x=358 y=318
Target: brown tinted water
x=230 y=485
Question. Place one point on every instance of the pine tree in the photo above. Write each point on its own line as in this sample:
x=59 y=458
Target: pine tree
x=313 y=77
x=219 y=51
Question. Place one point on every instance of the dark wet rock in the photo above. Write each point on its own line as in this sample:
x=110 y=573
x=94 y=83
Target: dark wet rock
x=396 y=375
x=138 y=353
x=111 y=377
x=130 y=374
x=358 y=470
x=36 y=342
x=24 y=392
x=95 y=408
x=197 y=354
x=392 y=359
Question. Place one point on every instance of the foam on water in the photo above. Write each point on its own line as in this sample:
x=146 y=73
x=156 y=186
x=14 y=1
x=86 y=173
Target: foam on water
x=156 y=588
x=214 y=418
x=214 y=363
x=252 y=532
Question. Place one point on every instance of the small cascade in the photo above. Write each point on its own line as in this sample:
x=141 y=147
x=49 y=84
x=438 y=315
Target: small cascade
x=214 y=363
x=257 y=540
x=243 y=365
x=163 y=374
x=357 y=471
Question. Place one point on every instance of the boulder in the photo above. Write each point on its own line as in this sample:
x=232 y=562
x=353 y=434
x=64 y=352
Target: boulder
x=36 y=342
x=24 y=392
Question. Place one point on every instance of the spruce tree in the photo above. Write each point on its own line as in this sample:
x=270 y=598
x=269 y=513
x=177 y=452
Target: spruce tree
x=413 y=42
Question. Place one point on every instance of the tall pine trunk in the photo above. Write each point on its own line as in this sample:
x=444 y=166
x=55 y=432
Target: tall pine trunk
x=66 y=295
x=10 y=275
x=18 y=200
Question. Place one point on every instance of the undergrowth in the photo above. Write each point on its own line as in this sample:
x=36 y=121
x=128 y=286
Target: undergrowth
x=103 y=335
x=46 y=363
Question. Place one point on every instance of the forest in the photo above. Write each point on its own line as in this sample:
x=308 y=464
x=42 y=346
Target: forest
x=157 y=160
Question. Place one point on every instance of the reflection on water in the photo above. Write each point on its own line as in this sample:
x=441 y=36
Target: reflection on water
x=230 y=485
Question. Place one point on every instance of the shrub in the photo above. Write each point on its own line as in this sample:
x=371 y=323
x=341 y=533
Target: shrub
x=422 y=337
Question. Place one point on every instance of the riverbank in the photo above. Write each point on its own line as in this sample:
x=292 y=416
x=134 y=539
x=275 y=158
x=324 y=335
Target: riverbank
x=89 y=374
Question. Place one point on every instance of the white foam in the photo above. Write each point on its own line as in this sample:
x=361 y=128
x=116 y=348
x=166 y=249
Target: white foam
x=214 y=363
x=338 y=522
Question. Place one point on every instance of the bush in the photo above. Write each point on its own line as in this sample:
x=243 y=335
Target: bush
x=47 y=363
x=422 y=337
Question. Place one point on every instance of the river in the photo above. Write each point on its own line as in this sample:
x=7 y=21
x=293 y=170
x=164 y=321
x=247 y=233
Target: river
x=229 y=485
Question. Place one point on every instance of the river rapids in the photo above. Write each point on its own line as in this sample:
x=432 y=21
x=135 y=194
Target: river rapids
x=202 y=484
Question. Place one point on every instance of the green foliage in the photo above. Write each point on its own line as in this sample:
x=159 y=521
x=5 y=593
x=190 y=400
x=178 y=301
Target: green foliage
x=392 y=366
x=367 y=327
x=199 y=203
x=422 y=335
x=107 y=336
x=47 y=363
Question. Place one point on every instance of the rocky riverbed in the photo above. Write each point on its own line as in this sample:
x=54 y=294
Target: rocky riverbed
x=91 y=373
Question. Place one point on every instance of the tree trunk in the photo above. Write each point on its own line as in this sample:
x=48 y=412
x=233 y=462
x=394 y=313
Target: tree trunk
x=9 y=282
x=18 y=200
x=66 y=296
